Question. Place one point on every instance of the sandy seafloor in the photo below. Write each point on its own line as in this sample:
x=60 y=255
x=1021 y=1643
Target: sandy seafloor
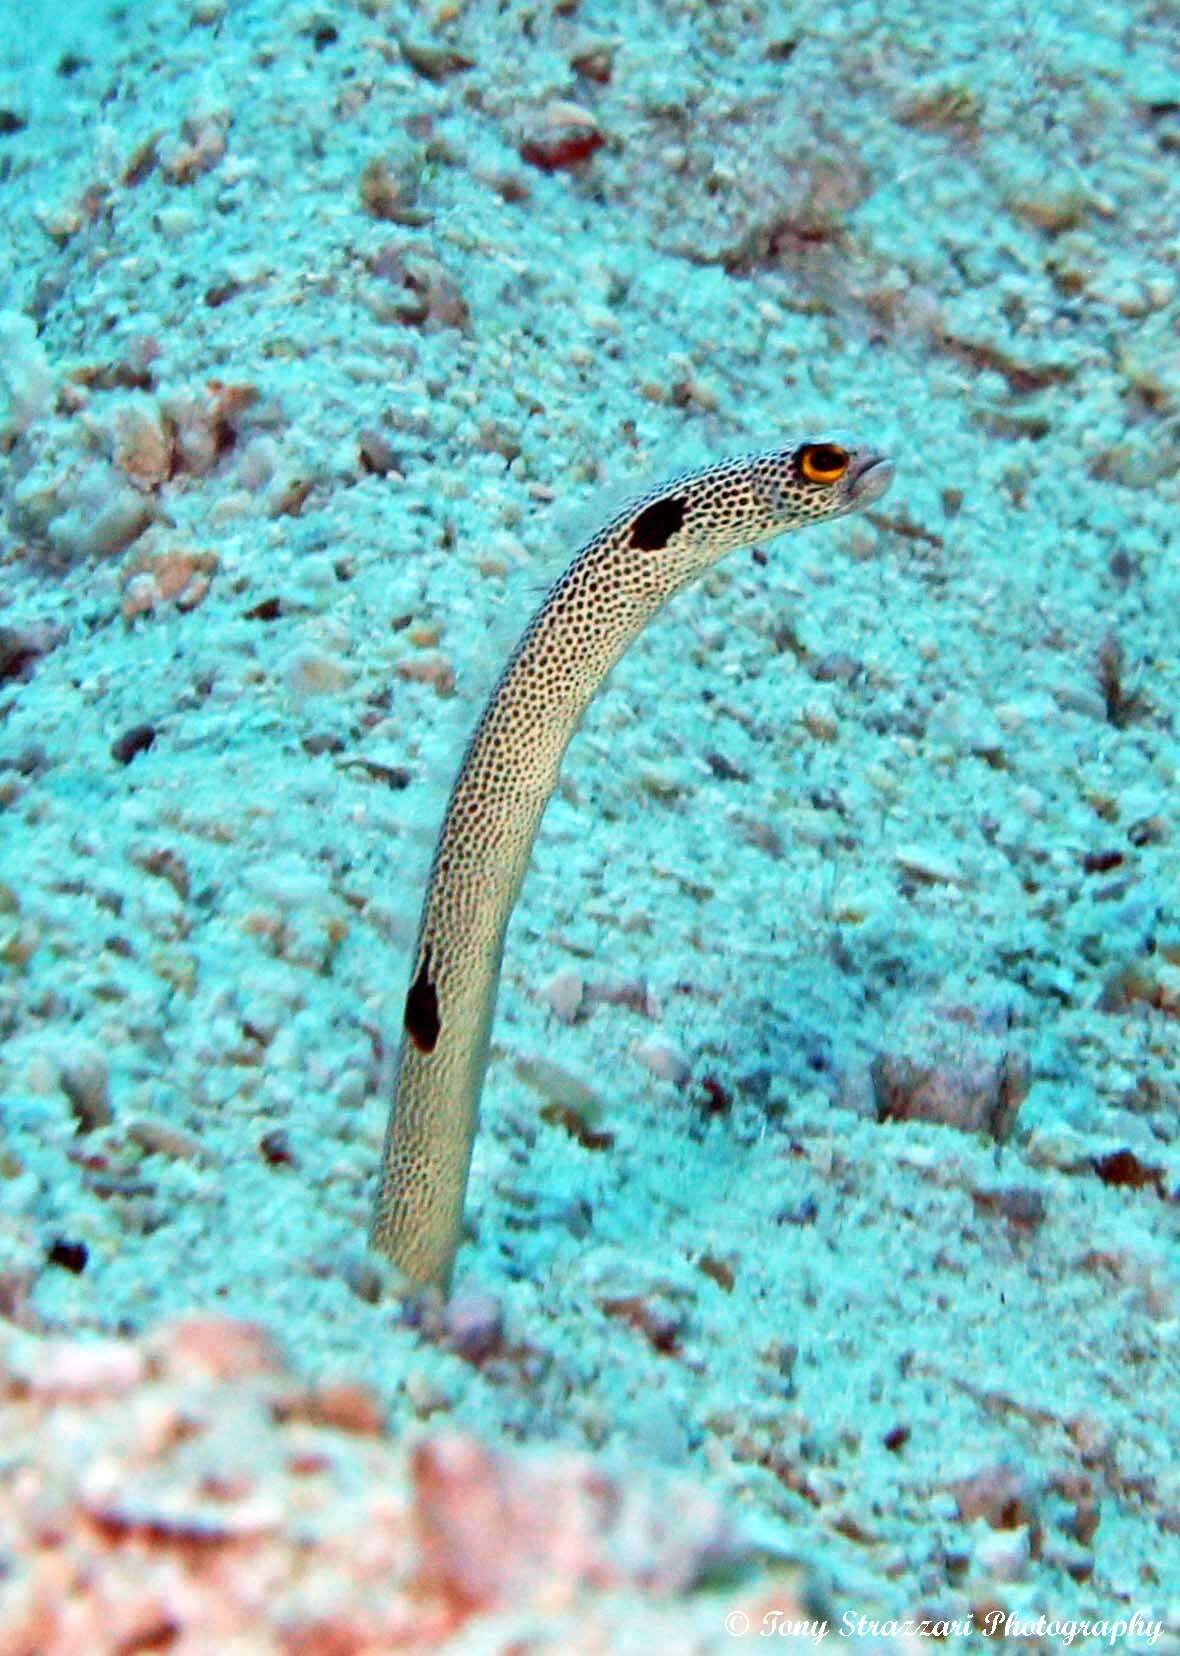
x=315 y=371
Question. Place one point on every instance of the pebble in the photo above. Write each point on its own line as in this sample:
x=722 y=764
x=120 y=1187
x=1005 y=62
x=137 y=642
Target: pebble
x=345 y=1405
x=663 y=1060
x=926 y=864
x=389 y=189
x=1023 y=1206
x=85 y=1080
x=351 y=1090
x=424 y=1393
x=974 y=1095
x=26 y=380
x=62 y=1369
x=614 y=990
x=558 y=1087
x=564 y=995
x=364 y=1276
x=21 y=648
x=311 y=672
x=560 y=135
x=219 y=1348
x=473 y=1324
x=433 y=669
x=434 y=60
x=160 y=1138
x=102 y=514
x=821 y=722
x=142 y=443
x=1059 y=1147
x=1000 y=1493
x=131 y=742
x=494 y=1531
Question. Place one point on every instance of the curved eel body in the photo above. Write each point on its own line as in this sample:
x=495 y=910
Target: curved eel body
x=616 y=583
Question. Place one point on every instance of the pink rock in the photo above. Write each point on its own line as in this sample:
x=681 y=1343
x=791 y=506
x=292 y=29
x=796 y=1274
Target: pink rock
x=339 y=1403
x=61 y=1369
x=494 y=1531
x=224 y=1348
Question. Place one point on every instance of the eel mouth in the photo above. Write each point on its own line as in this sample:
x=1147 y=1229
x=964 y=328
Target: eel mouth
x=871 y=475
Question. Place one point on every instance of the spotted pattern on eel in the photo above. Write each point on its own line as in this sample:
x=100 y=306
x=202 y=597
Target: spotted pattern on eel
x=616 y=583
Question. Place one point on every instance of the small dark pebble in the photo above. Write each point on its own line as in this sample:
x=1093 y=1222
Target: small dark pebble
x=725 y=769
x=1123 y=1167
x=18 y=652
x=836 y=669
x=165 y=864
x=322 y=741
x=1122 y=565
x=85 y=1083
x=141 y=163
x=827 y=799
x=377 y=454
x=276 y=1148
x=136 y=740
x=11 y=122
x=717 y=1100
x=1080 y=1566
x=1123 y=706
x=1101 y=862
x=720 y=1270
x=221 y=292
x=268 y=609
x=805 y=1212
x=595 y=63
x=364 y=1278
x=434 y=62
x=576 y=1125
x=660 y=1323
x=474 y=1325
x=71 y=1256
x=1000 y=1493
x=32 y=760
x=562 y=148
x=393 y=776
x=782 y=1356
x=1152 y=830
x=1136 y=985
x=1083 y=1525
x=896 y=1437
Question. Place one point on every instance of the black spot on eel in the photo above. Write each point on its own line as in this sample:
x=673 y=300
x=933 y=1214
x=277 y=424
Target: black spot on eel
x=616 y=583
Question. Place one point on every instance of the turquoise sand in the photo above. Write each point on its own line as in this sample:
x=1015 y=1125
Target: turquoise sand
x=829 y=1154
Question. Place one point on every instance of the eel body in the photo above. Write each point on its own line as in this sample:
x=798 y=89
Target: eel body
x=615 y=584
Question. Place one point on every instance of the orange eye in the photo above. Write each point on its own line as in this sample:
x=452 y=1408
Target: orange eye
x=823 y=462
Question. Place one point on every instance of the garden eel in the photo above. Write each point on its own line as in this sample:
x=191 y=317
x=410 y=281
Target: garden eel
x=616 y=583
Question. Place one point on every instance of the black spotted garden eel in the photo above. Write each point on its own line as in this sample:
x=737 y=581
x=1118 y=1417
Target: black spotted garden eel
x=616 y=583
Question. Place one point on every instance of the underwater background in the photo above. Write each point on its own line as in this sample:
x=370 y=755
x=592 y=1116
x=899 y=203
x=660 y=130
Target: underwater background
x=822 y=1267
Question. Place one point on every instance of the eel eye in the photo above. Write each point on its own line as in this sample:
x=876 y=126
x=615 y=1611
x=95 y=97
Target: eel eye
x=823 y=462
